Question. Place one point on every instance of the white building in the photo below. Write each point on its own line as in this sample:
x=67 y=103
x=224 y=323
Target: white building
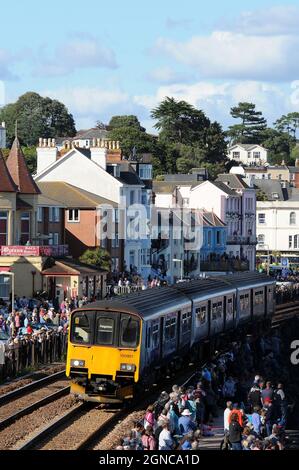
x=90 y=170
x=2 y=136
x=248 y=154
x=278 y=225
x=83 y=139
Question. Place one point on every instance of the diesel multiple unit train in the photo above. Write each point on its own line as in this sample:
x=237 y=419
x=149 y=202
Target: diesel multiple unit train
x=118 y=346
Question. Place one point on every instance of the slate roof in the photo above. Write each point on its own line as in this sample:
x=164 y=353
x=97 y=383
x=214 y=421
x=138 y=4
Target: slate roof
x=7 y=184
x=233 y=181
x=18 y=170
x=269 y=187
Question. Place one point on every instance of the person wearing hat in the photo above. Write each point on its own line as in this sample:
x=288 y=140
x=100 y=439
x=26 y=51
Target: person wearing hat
x=186 y=424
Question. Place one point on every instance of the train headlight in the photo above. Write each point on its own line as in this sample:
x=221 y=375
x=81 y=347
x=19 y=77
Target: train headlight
x=77 y=363
x=128 y=367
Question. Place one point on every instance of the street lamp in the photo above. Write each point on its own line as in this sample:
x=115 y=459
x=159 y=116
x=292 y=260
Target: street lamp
x=263 y=246
x=8 y=273
x=179 y=261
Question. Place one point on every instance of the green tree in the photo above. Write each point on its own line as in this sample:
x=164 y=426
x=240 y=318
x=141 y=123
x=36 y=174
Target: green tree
x=131 y=135
x=187 y=138
x=98 y=257
x=279 y=144
x=288 y=123
x=37 y=117
x=252 y=125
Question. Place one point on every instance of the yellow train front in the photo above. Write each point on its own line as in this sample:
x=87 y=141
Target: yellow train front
x=104 y=352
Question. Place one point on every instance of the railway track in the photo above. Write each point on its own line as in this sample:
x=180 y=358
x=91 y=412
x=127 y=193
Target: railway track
x=285 y=312
x=76 y=429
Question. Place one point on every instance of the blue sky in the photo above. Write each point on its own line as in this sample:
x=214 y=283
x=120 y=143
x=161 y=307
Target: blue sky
x=106 y=58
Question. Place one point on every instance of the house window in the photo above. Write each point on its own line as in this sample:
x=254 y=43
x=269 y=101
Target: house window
x=256 y=154
x=209 y=238
x=5 y=283
x=114 y=264
x=262 y=219
x=132 y=258
x=56 y=238
x=73 y=215
x=132 y=197
x=145 y=172
x=218 y=238
x=296 y=239
x=261 y=239
x=293 y=218
x=115 y=241
x=55 y=214
x=51 y=241
x=3 y=228
x=39 y=214
x=290 y=241
x=25 y=227
x=236 y=155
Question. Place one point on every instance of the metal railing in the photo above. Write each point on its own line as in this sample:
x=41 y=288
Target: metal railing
x=122 y=290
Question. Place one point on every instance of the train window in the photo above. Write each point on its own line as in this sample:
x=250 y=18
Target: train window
x=246 y=300
x=167 y=330
x=186 y=322
x=214 y=312
x=129 y=332
x=155 y=336
x=173 y=328
x=219 y=309
x=105 y=331
x=81 y=328
x=229 y=309
x=203 y=314
x=242 y=302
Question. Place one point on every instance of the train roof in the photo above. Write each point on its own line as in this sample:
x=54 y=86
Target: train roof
x=146 y=303
x=159 y=300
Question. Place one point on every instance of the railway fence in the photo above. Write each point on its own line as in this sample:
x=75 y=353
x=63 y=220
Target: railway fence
x=22 y=354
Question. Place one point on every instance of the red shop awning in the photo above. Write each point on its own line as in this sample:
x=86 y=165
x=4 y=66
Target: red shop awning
x=4 y=269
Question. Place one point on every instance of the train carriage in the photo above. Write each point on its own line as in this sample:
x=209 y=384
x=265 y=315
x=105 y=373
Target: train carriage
x=117 y=345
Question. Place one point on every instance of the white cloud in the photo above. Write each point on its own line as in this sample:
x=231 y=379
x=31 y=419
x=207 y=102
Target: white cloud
x=231 y=55
x=79 y=52
x=87 y=101
x=166 y=75
x=216 y=99
x=277 y=20
x=6 y=61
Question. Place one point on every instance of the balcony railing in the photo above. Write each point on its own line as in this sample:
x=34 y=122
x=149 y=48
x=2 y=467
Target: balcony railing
x=28 y=250
x=238 y=240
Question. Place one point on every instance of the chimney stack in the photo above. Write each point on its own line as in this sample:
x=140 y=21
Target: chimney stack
x=46 y=153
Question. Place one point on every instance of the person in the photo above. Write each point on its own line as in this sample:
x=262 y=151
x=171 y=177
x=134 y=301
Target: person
x=280 y=404
x=148 y=439
x=267 y=392
x=254 y=396
x=268 y=407
x=226 y=414
x=149 y=418
x=256 y=421
x=235 y=433
x=186 y=424
x=236 y=411
x=165 y=440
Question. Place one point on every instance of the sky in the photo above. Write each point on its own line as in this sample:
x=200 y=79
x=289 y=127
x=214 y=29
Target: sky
x=104 y=58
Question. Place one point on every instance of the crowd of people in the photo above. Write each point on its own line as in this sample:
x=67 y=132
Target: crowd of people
x=236 y=385
x=33 y=332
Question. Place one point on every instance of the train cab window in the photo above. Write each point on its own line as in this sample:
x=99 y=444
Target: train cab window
x=81 y=328
x=105 y=331
x=129 y=332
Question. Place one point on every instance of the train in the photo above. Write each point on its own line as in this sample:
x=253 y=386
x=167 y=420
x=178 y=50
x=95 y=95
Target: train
x=117 y=348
